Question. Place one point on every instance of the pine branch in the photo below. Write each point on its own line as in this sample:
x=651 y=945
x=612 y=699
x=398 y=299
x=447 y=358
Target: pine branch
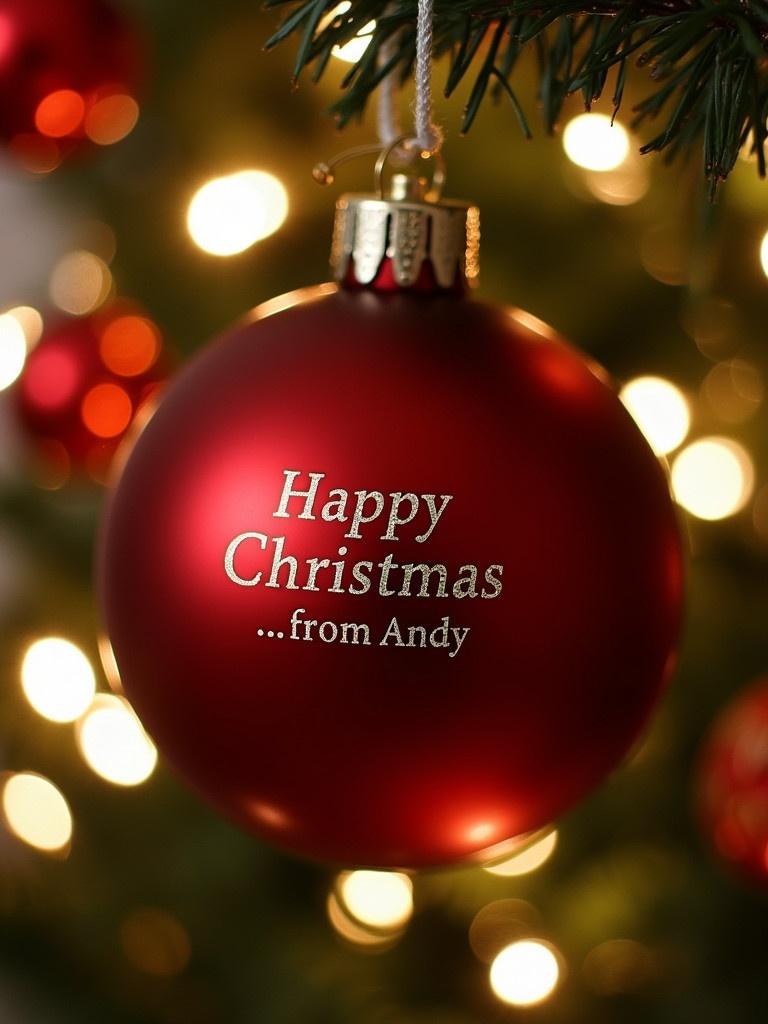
x=706 y=61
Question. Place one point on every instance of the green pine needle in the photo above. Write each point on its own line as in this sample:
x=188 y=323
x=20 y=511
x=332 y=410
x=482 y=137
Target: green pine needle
x=706 y=60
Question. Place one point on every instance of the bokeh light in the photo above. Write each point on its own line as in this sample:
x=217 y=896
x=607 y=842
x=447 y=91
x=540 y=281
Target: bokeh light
x=619 y=966
x=155 y=942
x=80 y=283
x=713 y=478
x=106 y=410
x=622 y=187
x=229 y=214
x=111 y=118
x=36 y=812
x=660 y=410
x=351 y=51
x=36 y=153
x=31 y=322
x=665 y=253
x=526 y=860
x=500 y=923
x=379 y=899
x=525 y=973
x=13 y=350
x=734 y=390
x=364 y=938
x=764 y=254
x=129 y=345
x=591 y=141
x=60 y=113
x=113 y=743
x=57 y=679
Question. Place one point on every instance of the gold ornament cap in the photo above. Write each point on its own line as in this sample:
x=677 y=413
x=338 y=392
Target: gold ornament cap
x=406 y=239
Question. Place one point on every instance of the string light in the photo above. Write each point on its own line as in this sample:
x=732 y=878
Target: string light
x=622 y=187
x=618 y=966
x=57 y=679
x=500 y=923
x=595 y=143
x=351 y=51
x=13 y=350
x=106 y=410
x=31 y=322
x=525 y=973
x=113 y=743
x=764 y=254
x=129 y=345
x=379 y=899
x=36 y=153
x=229 y=214
x=734 y=390
x=36 y=812
x=111 y=118
x=60 y=113
x=713 y=478
x=529 y=859
x=660 y=411
x=80 y=283
x=364 y=938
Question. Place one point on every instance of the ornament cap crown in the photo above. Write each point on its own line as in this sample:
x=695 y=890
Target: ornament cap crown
x=405 y=241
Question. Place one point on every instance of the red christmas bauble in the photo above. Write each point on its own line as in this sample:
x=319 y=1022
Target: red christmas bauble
x=68 y=71
x=732 y=783
x=83 y=386
x=392 y=577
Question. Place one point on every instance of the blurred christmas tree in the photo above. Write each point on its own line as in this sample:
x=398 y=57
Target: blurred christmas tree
x=125 y=900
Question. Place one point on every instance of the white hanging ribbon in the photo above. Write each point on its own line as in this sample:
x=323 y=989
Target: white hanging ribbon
x=427 y=137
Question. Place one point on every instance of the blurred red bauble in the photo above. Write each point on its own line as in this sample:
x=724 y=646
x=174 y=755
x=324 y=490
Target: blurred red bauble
x=732 y=785
x=68 y=72
x=83 y=385
x=391 y=576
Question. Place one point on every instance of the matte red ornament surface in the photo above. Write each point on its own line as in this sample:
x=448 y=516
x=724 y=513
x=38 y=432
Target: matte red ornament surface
x=84 y=384
x=58 y=58
x=517 y=690
x=732 y=783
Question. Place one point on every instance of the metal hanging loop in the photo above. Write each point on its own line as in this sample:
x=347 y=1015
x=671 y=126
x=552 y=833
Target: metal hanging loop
x=438 y=176
x=323 y=172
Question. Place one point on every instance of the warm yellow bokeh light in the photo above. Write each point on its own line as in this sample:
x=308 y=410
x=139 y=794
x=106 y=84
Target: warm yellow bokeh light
x=660 y=410
x=380 y=899
x=592 y=142
x=622 y=187
x=352 y=51
x=13 y=350
x=113 y=743
x=713 y=478
x=80 y=282
x=371 y=940
x=57 y=679
x=30 y=321
x=227 y=215
x=525 y=973
x=528 y=859
x=764 y=254
x=36 y=812
x=111 y=118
